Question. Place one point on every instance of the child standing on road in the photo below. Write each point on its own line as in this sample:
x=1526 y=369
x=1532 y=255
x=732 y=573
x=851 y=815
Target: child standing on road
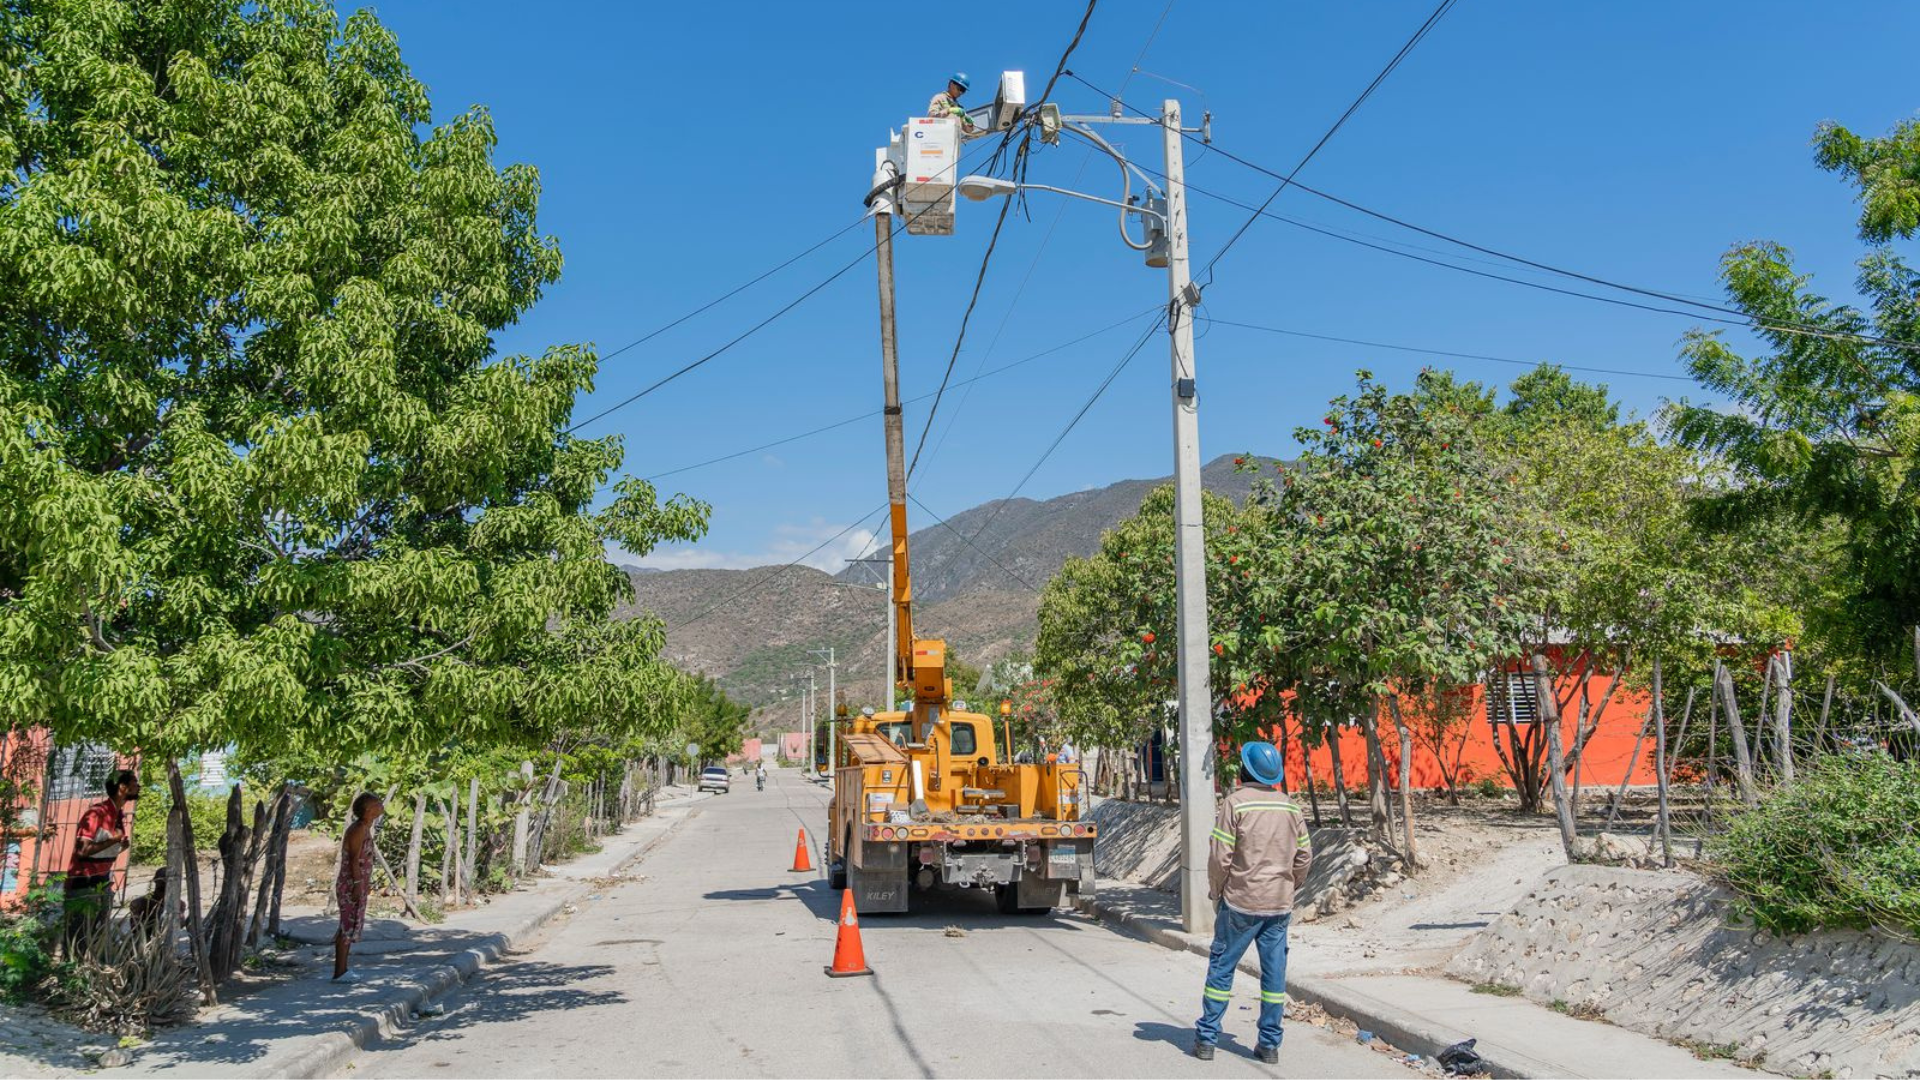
x=354 y=880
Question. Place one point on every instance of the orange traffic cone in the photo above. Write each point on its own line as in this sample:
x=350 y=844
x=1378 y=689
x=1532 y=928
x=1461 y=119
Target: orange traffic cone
x=848 y=957
x=801 y=863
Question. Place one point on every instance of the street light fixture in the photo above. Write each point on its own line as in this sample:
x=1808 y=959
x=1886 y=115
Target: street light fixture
x=1152 y=213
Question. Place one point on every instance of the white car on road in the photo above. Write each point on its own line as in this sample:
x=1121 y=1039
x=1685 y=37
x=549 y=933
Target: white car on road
x=715 y=778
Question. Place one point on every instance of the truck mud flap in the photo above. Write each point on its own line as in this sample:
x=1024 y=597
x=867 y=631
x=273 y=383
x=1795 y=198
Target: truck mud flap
x=878 y=890
x=1033 y=893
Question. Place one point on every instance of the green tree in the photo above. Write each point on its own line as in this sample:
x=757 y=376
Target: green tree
x=1395 y=563
x=1108 y=626
x=263 y=479
x=713 y=720
x=1827 y=422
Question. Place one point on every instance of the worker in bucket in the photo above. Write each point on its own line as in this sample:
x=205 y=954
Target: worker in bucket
x=946 y=104
x=1259 y=856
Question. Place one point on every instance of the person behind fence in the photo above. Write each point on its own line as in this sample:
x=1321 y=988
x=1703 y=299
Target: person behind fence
x=145 y=912
x=354 y=880
x=101 y=837
x=1259 y=856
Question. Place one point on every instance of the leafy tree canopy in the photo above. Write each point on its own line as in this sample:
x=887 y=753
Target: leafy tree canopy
x=1827 y=421
x=263 y=479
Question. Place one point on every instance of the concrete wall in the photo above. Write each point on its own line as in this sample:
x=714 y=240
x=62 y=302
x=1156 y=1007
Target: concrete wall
x=1655 y=953
x=1140 y=842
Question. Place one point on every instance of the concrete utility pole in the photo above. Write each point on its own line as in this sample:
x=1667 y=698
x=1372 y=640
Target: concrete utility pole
x=833 y=705
x=806 y=729
x=1189 y=553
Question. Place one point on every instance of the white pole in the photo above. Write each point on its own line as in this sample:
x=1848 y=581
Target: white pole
x=833 y=707
x=892 y=629
x=1196 y=695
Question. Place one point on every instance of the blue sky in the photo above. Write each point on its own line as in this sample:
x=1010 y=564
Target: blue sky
x=686 y=148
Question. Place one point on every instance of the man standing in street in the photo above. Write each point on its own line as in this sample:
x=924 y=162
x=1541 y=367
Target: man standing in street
x=100 y=839
x=946 y=104
x=1260 y=854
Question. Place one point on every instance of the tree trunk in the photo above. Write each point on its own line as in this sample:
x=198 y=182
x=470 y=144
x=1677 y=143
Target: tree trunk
x=1820 y=732
x=413 y=847
x=523 y=800
x=1736 y=727
x=1283 y=757
x=449 y=857
x=1378 y=806
x=176 y=874
x=1620 y=793
x=473 y=826
x=1550 y=716
x=1675 y=746
x=1713 y=747
x=1783 y=717
x=281 y=819
x=1662 y=822
x=1406 y=782
x=1306 y=758
x=1339 y=777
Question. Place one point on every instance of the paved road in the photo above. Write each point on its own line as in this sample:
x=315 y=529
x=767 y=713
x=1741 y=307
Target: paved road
x=710 y=965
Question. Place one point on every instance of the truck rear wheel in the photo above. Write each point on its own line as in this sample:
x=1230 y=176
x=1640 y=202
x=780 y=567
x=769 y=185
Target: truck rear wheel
x=837 y=868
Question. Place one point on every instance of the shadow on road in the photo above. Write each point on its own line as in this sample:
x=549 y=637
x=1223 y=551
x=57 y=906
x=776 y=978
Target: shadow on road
x=517 y=991
x=1181 y=1038
x=823 y=902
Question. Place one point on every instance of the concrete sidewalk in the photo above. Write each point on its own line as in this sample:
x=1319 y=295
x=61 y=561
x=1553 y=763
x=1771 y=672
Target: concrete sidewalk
x=307 y=1025
x=1424 y=1014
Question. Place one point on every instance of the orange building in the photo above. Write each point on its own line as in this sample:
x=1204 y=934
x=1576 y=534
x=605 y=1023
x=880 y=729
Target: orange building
x=1610 y=753
x=50 y=789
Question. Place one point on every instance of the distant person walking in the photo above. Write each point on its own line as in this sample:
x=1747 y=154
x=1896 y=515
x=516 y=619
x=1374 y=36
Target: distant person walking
x=354 y=880
x=1260 y=856
x=87 y=892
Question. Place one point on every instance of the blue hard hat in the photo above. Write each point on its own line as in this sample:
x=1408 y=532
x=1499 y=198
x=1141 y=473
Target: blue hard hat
x=1261 y=762
x=961 y=78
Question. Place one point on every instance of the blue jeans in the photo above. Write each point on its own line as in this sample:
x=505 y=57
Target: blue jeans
x=1233 y=932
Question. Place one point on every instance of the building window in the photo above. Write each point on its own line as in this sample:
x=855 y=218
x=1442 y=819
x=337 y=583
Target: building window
x=1513 y=697
x=80 y=772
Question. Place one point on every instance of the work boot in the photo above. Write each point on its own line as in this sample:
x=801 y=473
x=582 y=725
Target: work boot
x=1268 y=1054
x=1203 y=1050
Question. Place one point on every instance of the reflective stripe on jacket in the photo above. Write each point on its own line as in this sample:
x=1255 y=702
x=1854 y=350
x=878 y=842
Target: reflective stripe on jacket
x=1260 y=851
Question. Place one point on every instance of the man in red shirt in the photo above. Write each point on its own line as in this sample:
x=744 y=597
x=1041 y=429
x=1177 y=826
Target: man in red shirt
x=100 y=840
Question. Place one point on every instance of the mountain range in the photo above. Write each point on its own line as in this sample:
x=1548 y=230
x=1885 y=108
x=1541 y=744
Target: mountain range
x=976 y=580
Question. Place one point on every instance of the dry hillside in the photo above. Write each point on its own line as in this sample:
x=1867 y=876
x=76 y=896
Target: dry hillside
x=752 y=629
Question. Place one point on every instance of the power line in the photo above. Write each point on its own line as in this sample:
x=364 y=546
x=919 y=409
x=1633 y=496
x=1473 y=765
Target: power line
x=766 y=579
x=1125 y=359
x=730 y=294
x=1438 y=14
x=1017 y=171
x=1059 y=212
x=922 y=397
x=755 y=328
x=1444 y=352
x=1737 y=317
x=963 y=537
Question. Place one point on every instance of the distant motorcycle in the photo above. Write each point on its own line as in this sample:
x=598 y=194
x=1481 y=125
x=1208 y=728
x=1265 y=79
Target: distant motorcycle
x=759 y=782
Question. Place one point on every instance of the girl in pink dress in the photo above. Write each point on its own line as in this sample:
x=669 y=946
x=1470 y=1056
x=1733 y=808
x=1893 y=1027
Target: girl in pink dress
x=354 y=879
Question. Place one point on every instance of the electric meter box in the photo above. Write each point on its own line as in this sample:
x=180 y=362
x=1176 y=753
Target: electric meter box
x=931 y=149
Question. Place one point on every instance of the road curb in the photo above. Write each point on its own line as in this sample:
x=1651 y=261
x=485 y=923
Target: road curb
x=1409 y=1031
x=325 y=1053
